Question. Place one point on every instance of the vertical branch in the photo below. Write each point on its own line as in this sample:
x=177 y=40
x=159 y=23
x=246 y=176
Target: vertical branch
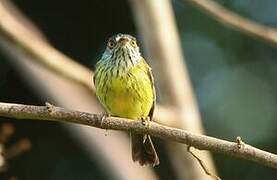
x=97 y=143
x=20 y=31
x=69 y=88
x=156 y=23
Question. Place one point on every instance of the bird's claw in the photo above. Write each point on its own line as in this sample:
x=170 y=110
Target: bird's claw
x=146 y=122
x=103 y=117
x=239 y=142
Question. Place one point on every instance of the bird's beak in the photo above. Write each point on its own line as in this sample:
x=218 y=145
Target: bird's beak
x=123 y=41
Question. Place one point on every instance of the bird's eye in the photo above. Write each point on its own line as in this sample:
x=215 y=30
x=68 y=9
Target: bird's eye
x=134 y=43
x=111 y=44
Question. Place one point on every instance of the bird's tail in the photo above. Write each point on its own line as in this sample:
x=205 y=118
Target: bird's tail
x=143 y=150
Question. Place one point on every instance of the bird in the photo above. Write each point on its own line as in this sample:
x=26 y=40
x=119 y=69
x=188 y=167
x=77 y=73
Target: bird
x=124 y=86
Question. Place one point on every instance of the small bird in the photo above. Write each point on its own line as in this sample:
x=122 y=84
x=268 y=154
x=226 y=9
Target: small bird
x=125 y=87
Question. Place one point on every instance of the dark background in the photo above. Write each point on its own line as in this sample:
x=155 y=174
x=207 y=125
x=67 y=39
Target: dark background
x=234 y=77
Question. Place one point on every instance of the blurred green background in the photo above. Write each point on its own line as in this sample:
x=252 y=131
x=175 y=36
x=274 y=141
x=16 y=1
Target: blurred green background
x=234 y=77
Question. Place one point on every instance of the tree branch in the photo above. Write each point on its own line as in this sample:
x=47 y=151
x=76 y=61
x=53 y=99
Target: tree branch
x=201 y=142
x=232 y=19
x=43 y=81
x=45 y=54
x=156 y=22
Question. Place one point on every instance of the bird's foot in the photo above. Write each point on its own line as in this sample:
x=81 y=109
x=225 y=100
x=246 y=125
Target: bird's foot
x=239 y=142
x=104 y=115
x=146 y=123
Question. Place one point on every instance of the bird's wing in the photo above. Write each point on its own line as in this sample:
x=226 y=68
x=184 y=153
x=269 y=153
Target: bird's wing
x=94 y=75
x=149 y=72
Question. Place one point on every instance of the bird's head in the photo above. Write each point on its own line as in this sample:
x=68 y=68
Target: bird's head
x=122 y=49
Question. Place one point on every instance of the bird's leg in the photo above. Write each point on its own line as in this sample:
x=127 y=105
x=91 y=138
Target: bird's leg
x=146 y=122
x=104 y=115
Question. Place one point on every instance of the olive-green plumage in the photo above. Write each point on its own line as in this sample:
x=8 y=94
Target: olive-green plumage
x=125 y=87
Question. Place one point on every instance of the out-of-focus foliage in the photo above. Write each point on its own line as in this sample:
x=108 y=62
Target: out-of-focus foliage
x=234 y=77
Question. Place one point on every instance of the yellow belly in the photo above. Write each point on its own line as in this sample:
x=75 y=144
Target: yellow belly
x=127 y=96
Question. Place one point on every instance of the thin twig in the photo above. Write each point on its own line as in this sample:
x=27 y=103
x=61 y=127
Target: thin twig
x=44 y=81
x=156 y=23
x=201 y=142
x=90 y=139
x=246 y=26
x=41 y=50
x=206 y=170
